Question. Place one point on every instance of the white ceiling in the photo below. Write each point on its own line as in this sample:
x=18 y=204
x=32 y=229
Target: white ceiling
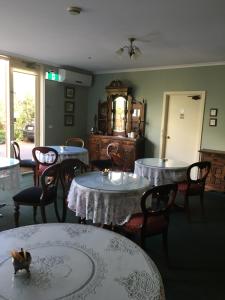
x=168 y=32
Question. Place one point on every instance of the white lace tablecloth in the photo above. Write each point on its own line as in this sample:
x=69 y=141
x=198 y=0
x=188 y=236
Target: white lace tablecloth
x=72 y=152
x=9 y=174
x=159 y=171
x=106 y=199
x=72 y=261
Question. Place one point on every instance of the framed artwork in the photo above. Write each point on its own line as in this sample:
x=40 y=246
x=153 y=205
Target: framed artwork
x=213 y=112
x=212 y=122
x=69 y=107
x=68 y=120
x=69 y=92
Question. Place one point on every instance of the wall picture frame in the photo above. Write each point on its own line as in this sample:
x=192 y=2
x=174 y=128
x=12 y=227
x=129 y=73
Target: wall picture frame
x=213 y=122
x=213 y=112
x=69 y=107
x=69 y=92
x=68 y=120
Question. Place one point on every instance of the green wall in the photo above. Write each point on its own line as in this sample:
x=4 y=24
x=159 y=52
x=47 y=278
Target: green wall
x=56 y=132
x=151 y=85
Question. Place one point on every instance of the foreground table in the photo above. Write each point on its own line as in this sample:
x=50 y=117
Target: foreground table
x=161 y=171
x=9 y=175
x=72 y=152
x=106 y=199
x=71 y=261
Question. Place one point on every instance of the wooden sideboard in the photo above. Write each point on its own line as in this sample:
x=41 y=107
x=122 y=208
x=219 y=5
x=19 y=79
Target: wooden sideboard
x=133 y=148
x=216 y=177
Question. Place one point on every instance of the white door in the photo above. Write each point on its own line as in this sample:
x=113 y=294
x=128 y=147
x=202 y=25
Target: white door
x=182 y=125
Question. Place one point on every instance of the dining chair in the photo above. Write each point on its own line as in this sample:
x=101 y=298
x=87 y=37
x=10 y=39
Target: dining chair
x=44 y=157
x=39 y=196
x=194 y=185
x=75 y=141
x=118 y=157
x=154 y=216
x=24 y=163
x=69 y=168
x=101 y=164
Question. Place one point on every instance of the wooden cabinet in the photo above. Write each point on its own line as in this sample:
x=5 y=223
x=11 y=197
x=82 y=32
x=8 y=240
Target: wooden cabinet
x=120 y=114
x=216 y=177
x=133 y=148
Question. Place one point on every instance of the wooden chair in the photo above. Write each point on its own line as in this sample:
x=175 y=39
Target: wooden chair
x=44 y=157
x=69 y=168
x=118 y=157
x=39 y=196
x=101 y=164
x=194 y=184
x=24 y=163
x=75 y=141
x=154 y=218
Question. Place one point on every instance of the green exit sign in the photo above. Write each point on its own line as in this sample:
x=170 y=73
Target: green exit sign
x=51 y=75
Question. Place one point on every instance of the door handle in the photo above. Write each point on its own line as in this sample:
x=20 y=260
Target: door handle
x=168 y=137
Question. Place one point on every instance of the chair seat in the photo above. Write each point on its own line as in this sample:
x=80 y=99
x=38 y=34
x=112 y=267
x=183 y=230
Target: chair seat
x=193 y=188
x=27 y=163
x=41 y=169
x=155 y=224
x=30 y=195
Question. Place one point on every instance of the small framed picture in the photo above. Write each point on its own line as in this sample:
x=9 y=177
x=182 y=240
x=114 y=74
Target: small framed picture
x=69 y=107
x=68 y=120
x=212 y=122
x=69 y=92
x=213 y=112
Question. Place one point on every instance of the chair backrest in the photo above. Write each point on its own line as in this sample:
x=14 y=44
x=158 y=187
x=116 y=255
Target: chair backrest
x=158 y=200
x=69 y=168
x=45 y=155
x=16 y=149
x=116 y=153
x=200 y=170
x=49 y=183
x=75 y=141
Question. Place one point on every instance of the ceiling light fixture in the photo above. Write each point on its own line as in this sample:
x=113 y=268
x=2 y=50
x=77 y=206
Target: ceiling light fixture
x=132 y=50
x=74 y=10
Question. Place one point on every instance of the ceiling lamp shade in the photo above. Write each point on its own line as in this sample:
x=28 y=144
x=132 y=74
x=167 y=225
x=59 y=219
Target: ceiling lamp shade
x=132 y=50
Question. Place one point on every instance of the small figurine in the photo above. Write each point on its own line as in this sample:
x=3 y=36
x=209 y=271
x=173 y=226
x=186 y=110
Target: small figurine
x=105 y=172
x=21 y=260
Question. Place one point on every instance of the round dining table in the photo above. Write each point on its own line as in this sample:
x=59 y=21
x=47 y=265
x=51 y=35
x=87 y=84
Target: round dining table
x=72 y=152
x=9 y=175
x=106 y=198
x=76 y=262
x=161 y=171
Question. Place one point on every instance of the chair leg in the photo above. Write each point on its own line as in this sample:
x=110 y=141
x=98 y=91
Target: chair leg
x=35 y=214
x=64 y=210
x=16 y=214
x=34 y=177
x=43 y=215
x=56 y=210
x=165 y=244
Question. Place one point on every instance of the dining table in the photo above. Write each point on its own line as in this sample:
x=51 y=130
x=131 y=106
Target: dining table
x=65 y=152
x=106 y=198
x=161 y=171
x=9 y=175
x=76 y=262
